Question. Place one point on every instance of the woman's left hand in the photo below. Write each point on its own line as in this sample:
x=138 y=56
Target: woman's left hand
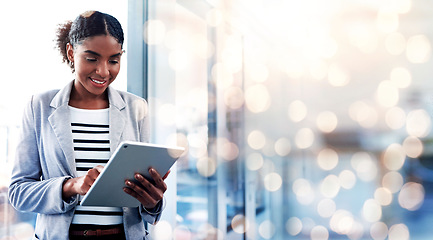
x=149 y=194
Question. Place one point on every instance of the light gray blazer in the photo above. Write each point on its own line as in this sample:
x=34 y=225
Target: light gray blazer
x=45 y=159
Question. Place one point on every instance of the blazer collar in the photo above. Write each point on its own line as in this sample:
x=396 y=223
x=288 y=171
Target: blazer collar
x=62 y=97
x=60 y=121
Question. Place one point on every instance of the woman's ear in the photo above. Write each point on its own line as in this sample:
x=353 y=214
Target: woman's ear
x=70 y=52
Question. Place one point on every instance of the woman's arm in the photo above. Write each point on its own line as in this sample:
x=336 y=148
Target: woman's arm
x=28 y=191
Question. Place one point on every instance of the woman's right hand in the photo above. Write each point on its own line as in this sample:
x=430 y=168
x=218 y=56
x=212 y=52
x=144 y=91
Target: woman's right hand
x=80 y=185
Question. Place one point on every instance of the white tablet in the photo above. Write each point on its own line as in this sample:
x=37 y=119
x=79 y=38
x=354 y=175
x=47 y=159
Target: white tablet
x=128 y=159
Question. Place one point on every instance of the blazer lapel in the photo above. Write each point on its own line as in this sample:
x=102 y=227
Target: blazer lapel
x=60 y=122
x=117 y=120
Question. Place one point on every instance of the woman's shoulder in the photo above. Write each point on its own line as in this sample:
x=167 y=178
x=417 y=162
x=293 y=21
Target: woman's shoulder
x=131 y=99
x=43 y=98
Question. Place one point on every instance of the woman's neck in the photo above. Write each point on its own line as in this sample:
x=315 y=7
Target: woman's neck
x=88 y=101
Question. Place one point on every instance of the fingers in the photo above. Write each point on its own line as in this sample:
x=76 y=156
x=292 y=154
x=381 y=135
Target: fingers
x=159 y=182
x=148 y=193
x=141 y=195
x=99 y=168
x=90 y=178
x=166 y=175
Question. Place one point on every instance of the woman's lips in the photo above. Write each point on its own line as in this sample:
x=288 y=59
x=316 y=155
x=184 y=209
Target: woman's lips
x=98 y=83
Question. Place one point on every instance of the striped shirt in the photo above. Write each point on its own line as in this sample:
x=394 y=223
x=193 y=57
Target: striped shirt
x=91 y=139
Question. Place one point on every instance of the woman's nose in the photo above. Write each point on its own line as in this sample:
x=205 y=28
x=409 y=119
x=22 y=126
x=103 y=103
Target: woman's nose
x=103 y=70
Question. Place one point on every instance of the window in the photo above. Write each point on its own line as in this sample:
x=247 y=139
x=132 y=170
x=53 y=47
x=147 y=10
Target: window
x=327 y=140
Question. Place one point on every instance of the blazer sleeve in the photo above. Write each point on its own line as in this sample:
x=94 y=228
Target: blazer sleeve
x=27 y=191
x=154 y=216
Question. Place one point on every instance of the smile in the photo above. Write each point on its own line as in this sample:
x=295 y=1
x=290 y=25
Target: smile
x=97 y=81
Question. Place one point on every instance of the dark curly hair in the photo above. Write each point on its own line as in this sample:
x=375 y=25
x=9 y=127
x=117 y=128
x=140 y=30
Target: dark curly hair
x=87 y=24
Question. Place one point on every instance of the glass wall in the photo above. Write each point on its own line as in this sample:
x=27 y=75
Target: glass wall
x=303 y=120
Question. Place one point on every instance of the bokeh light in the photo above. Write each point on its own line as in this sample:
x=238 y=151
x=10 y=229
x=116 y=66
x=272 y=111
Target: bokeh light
x=395 y=118
x=394 y=157
x=364 y=114
x=387 y=94
x=318 y=69
x=372 y=210
x=387 y=21
x=182 y=232
x=222 y=76
x=383 y=196
x=330 y=186
x=259 y=73
x=266 y=229
x=197 y=145
x=319 y=233
x=393 y=181
x=239 y=224
x=413 y=147
x=207 y=231
x=364 y=165
x=418 y=123
x=395 y=43
x=206 y=166
x=401 y=77
x=293 y=226
x=326 y=208
x=256 y=139
x=362 y=36
x=398 y=232
x=297 y=111
x=163 y=230
x=411 y=196
x=234 y=97
x=379 y=231
x=337 y=76
x=327 y=159
x=257 y=98
x=154 y=31
x=418 y=49
x=203 y=48
x=304 y=138
x=228 y=150
x=303 y=191
x=347 y=179
x=341 y=221
x=272 y=182
x=283 y=146
x=327 y=121
x=254 y=161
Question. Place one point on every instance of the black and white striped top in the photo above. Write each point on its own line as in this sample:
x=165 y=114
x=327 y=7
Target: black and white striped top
x=91 y=136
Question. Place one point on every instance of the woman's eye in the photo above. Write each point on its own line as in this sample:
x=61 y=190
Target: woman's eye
x=114 y=61
x=91 y=59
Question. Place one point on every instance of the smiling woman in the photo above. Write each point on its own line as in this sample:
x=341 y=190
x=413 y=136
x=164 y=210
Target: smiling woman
x=31 y=64
x=64 y=161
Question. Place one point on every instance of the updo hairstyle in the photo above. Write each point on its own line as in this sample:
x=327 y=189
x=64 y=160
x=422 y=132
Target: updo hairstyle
x=87 y=24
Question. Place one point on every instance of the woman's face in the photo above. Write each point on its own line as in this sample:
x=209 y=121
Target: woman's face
x=96 y=63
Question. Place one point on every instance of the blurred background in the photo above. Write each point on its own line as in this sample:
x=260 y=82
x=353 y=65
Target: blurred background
x=302 y=119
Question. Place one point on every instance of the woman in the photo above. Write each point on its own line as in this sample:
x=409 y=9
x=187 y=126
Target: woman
x=67 y=136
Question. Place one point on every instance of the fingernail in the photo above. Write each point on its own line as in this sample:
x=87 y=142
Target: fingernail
x=128 y=183
x=138 y=176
